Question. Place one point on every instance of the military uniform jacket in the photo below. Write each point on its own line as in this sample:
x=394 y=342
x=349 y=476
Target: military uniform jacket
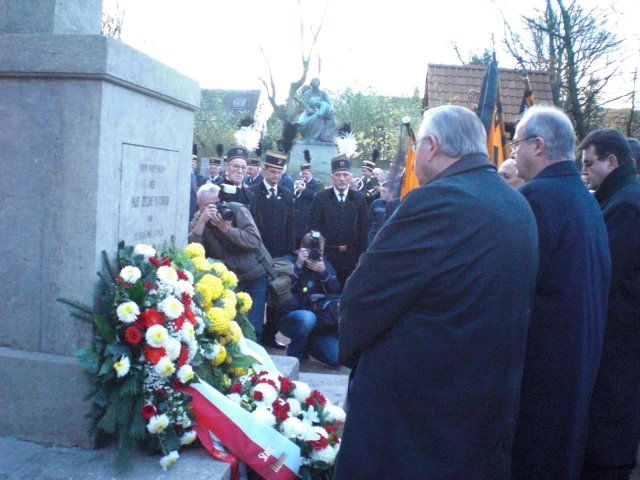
x=614 y=417
x=344 y=226
x=302 y=207
x=367 y=189
x=274 y=218
x=250 y=182
x=243 y=195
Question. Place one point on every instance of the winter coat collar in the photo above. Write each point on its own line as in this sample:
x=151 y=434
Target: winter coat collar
x=619 y=178
x=473 y=161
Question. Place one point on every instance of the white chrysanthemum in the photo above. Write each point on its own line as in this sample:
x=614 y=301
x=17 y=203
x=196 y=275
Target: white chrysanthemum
x=171 y=307
x=294 y=428
x=185 y=373
x=122 y=366
x=130 y=274
x=157 y=423
x=333 y=413
x=156 y=336
x=263 y=415
x=169 y=459
x=310 y=415
x=199 y=325
x=326 y=455
x=165 y=367
x=235 y=398
x=294 y=407
x=167 y=275
x=314 y=434
x=145 y=250
x=302 y=391
x=213 y=352
x=128 y=312
x=172 y=347
x=189 y=276
x=187 y=332
x=193 y=348
x=185 y=287
x=187 y=438
x=269 y=394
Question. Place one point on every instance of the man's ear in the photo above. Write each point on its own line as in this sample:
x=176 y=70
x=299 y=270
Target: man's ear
x=612 y=162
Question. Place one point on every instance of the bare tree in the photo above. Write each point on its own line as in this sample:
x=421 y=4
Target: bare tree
x=111 y=23
x=573 y=44
x=291 y=108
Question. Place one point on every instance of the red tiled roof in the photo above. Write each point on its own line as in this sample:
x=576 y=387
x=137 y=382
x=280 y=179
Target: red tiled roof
x=460 y=85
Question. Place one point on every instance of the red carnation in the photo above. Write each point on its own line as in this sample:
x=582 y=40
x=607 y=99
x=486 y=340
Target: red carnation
x=184 y=355
x=331 y=428
x=254 y=379
x=258 y=396
x=235 y=388
x=281 y=409
x=139 y=322
x=268 y=381
x=147 y=285
x=286 y=385
x=132 y=336
x=319 y=444
x=316 y=396
x=149 y=410
x=154 y=261
x=152 y=317
x=154 y=354
x=181 y=275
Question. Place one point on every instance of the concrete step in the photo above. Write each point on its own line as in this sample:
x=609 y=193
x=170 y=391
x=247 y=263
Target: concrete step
x=332 y=386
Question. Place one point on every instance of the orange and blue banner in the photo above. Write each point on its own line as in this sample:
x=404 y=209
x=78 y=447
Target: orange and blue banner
x=491 y=115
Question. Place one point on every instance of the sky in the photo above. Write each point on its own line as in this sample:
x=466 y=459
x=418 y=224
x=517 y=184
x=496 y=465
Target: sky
x=384 y=45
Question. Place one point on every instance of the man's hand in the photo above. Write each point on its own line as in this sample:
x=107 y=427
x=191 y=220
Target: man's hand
x=216 y=220
x=317 y=266
x=303 y=256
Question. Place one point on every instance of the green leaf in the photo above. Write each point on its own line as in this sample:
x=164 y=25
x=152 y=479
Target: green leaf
x=89 y=359
x=243 y=361
x=137 y=292
x=103 y=327
x=107 y=366
x=108 y=420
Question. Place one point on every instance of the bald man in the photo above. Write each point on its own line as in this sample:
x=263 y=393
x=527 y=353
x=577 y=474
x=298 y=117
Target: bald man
x=509 y=173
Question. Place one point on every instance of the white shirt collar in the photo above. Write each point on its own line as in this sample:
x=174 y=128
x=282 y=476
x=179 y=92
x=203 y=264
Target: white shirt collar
x=337 y=192
x=269 y=187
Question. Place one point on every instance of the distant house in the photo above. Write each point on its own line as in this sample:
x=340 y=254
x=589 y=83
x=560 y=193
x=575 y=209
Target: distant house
x=460 y=85
x=240 y=103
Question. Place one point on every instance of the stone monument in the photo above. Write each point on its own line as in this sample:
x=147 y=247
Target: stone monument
x=95 y=147
x=317 y=127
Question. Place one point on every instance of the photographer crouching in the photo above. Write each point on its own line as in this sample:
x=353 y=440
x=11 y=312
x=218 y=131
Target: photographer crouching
x=228 y=233
x=310 y=318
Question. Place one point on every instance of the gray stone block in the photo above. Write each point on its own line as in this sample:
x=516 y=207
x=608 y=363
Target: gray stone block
x=50 y=16
x=334 y=387
x=321 y=155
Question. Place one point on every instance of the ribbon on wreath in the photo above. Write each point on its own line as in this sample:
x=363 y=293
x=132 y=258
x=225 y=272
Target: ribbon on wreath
x=267 y=452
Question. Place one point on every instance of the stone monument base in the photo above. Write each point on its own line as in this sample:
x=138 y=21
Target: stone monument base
x=321 y=155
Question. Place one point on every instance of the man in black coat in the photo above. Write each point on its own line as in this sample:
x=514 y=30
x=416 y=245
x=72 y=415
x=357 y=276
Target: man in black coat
x=568 y=315
x=254 y=177
x=197 y=181
x=232 y=188
x=434 y=319
x=340 y=214
x=304 y=190
x=614 y=414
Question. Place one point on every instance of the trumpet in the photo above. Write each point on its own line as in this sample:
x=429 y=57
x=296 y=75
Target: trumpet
x=357 y=183
x=298 y=187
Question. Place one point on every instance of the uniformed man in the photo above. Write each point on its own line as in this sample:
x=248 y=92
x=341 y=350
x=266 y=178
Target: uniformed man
x=370 y=185
x=235 y=166
x=215 y=167
x=305 y=188
x=340 y=214
x=254 y=176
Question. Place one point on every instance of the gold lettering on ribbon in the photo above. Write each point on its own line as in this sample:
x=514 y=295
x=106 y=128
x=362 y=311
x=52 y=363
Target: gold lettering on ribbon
x=278 y=464
x=264 y=455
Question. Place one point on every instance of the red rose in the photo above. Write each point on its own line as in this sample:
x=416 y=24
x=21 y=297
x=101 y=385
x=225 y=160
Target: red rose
x=258 y=396
x=149 y=410
x=152 y=317
x=184 y=355
x=181 y=275
x=132 y=336
x=235 y=388
x=154 y=354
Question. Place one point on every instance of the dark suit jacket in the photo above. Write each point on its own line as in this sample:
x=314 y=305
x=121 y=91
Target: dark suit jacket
x=436 y=318
x=302 y=207
x=341 y=225
x=250 y=182
x=567 y=326
x=274 y=218
x=614 y=418
x=243 y=195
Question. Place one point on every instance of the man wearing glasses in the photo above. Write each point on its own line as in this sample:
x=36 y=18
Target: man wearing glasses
x=568 y=313
x=232 y=188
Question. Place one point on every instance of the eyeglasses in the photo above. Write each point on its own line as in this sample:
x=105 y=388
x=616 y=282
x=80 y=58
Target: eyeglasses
x=237 y=166
x=514 y=144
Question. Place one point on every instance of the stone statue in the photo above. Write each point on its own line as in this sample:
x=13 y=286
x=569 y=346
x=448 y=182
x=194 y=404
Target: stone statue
x=318 y=122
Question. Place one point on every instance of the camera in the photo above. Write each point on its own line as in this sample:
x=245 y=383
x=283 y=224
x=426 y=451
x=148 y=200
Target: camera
x=314 y=246
x=314 y=254
x=224 y=211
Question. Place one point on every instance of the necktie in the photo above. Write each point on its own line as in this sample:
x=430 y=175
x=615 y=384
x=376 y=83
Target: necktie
x=273 y=193
x=341 y=195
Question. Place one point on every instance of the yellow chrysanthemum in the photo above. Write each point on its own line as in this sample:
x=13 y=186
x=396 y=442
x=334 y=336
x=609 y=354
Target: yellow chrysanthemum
x=201 y=264
x=237 y=371
x=234 y=333
x=229 y=279
x=219 y=268
x=229 y=295
x=244 y=302
x=207 y=294
x=214 y=283
x=222 y=354
x=219 y=320
x=194 y=250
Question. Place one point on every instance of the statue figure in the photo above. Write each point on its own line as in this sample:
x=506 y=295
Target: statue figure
x=318 y=122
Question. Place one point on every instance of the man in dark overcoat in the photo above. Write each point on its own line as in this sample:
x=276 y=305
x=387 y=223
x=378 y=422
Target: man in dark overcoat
x=566 y=331
x=304 y=190
x=434 y=319
x=614 y=417
x=340 y=214
x=232 y=188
